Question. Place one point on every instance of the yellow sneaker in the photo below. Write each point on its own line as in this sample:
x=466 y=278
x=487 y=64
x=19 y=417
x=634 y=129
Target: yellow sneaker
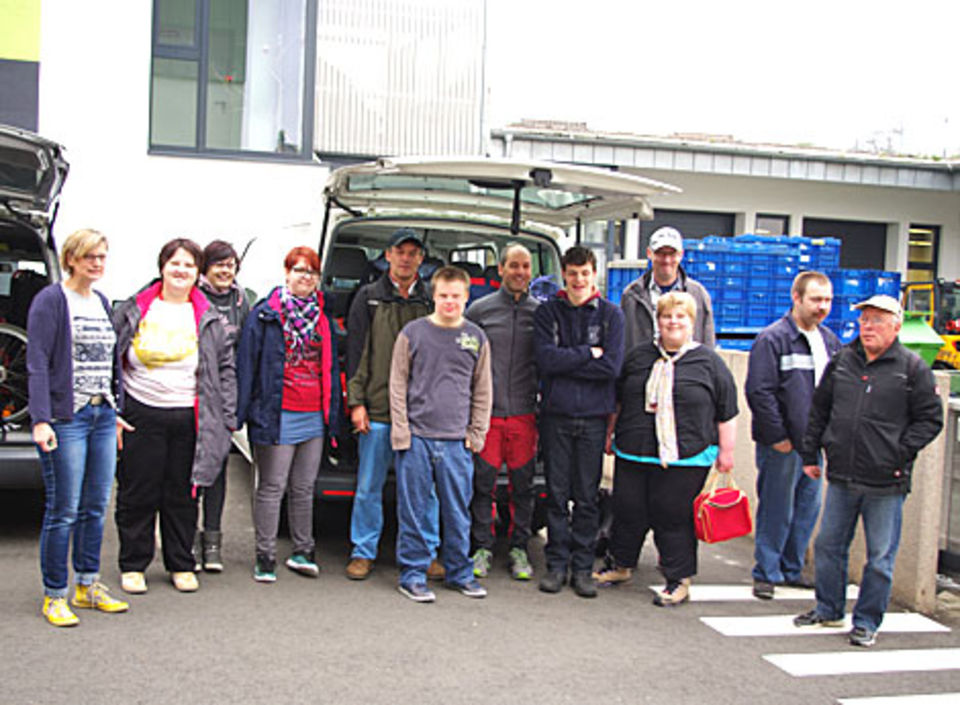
x=134 y=582
x=185 y=581
x=97 y=596
x=58 y=612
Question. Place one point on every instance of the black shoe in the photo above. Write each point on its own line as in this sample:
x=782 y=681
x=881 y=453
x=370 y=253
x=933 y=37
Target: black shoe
x=583 y=584
x=212 y=561
x=553 y=582
x=762 y=590
x=800 y=582
x=197 y=551
x=813 y=619
x=860 y=636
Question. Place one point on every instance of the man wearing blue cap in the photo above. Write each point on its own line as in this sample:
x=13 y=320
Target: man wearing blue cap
x=378 y=312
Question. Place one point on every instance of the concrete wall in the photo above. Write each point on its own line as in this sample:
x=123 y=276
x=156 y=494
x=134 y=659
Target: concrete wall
x=915 y=576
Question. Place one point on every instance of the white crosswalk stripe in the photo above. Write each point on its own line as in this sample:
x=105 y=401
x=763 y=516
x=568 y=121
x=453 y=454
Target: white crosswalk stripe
x=932 y=699
x=736 y=593
x=782 y=625
x=833 y=663
x=852 y=661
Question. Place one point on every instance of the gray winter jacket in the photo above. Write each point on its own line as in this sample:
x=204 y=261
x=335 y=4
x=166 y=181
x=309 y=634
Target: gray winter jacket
x=639 y=312
x=508 y=324
x=216 y=404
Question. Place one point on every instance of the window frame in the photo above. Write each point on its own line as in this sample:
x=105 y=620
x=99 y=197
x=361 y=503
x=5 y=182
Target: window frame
x=199 y=53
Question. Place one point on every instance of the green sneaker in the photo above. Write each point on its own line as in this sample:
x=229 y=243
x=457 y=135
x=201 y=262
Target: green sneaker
x=303 y=564
x=520 y=567
x=481 y=562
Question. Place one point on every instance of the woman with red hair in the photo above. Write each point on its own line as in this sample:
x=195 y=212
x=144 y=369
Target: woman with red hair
x=289 y=396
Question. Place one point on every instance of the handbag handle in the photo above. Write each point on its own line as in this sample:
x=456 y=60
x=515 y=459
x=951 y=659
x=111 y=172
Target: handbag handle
x=721 y=479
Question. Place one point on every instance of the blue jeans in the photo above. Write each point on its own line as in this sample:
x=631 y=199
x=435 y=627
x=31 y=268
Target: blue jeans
x=573 y=453
x=78 y=476
x=881 y=525
x=788 y=504
x=448 y=465
x=366 y=523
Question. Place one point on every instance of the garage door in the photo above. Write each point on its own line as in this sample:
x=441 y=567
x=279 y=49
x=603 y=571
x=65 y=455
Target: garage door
x=694 y=224
x=864 y=244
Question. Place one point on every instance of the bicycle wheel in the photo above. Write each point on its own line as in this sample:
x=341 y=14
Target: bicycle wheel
x=13 y=373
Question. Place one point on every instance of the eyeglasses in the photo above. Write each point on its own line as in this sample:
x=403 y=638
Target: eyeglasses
x=304 y=272
x=874 y=321
x=225 y=264
x=89 y=257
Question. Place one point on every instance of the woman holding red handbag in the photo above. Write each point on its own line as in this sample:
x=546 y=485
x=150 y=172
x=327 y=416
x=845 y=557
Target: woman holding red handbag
x=677 y=402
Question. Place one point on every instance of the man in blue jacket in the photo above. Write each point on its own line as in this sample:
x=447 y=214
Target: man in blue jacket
x=578 y=342
x=786 y=363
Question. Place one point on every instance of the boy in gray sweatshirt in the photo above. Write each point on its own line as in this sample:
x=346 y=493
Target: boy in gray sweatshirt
x=441 y=395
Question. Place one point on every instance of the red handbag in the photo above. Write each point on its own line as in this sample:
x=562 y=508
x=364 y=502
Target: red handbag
x=721 y=513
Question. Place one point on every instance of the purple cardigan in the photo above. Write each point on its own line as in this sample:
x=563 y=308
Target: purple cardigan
x=50 y=357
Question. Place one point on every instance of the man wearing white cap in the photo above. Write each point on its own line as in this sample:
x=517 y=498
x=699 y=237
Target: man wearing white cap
x=876 y=407
x=639 y=301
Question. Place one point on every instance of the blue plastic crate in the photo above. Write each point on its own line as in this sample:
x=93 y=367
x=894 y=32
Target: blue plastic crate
x=760 y=314
x=729 y=314
x=841 y=311
x=618 y=278
x=709 y=280
x=744 y=344
x=845 y=330
x=851 y=282
x=736 y=265
x=762 y=283
x=733 y=288
x=887 y=283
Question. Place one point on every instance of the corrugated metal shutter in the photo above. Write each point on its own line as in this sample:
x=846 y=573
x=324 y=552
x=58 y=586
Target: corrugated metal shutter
x=864 y=243
x=400 y=77
x=693 y=224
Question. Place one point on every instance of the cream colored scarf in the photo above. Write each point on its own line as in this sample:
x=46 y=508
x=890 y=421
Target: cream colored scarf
x=659 y=401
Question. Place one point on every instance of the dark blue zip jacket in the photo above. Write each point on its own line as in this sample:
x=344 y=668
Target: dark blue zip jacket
x=780 y=377
x=260 y=360
x=573 y=382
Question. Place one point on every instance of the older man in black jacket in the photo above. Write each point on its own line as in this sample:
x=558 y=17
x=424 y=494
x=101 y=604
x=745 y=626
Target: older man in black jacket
x=876 y=407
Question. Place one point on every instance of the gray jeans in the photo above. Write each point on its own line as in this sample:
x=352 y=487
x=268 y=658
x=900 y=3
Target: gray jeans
x=281 y=466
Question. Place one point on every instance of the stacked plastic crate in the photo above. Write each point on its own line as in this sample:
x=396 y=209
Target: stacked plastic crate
x=749 y=279
x=851 y=286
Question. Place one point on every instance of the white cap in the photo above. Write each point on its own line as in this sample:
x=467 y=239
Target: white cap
x=882 y=302
x=666 y=237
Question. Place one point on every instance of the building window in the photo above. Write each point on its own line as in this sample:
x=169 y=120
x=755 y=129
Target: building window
x=233 y=77
x=922 y=253
x=770 y=224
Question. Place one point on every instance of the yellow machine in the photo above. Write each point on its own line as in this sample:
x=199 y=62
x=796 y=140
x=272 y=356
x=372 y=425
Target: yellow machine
x=939 y=301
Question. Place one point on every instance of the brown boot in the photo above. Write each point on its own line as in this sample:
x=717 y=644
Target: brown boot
x=359 y=568
x=436 y=571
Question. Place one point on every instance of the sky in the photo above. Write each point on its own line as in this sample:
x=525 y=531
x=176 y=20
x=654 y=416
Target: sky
x=844 y=74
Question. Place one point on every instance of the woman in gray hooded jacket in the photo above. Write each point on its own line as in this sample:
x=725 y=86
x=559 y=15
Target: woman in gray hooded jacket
x=181 y=391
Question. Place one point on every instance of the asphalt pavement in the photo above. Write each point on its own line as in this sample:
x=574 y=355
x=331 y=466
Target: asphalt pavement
x=330 y=640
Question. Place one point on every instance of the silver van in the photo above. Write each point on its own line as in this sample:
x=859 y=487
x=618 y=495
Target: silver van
x=32 y=172
x=466 y=210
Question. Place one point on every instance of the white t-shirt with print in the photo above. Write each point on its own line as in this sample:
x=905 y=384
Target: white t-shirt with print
x=161 y=367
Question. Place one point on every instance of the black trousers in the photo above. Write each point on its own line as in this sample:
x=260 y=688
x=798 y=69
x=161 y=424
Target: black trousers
x=650 y=497
x=522 y=502
x=154 y=477
x=573 y=453
x=213 y=499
